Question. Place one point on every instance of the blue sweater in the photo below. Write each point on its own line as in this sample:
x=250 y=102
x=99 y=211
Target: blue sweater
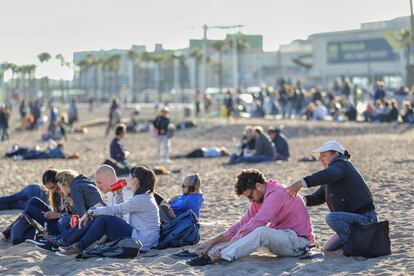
x=117 y=150
x=186 y=202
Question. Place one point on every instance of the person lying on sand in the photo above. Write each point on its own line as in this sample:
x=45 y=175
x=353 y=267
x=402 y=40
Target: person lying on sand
x=20 y=199
x=343 y=188
x=273 y=220
x=53 y=151
x=204 y=152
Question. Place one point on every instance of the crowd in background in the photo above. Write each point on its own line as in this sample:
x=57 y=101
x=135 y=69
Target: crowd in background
x=342 y=103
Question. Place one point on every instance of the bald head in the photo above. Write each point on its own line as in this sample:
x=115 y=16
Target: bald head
x=105 y=176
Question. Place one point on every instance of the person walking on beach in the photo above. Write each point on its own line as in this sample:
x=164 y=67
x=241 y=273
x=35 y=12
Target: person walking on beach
x=114 y=116
x=161 y=125
x=344 y=190
x=273 y=220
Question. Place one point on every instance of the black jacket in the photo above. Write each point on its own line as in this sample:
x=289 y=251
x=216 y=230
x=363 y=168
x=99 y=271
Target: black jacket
x=342 y=187
x=161 y=124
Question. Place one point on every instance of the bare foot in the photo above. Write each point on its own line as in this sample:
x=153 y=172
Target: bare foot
x=2 y=238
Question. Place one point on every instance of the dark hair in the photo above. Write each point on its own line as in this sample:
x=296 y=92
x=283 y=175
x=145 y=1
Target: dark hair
x=347 y=155
x=146 y=179
x=247 y=179
x=55 y=197
x=120 y=128
x=49 y=176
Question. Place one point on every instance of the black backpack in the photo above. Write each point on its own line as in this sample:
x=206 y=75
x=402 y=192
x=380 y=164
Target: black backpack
x=182 y=230
x=120 y=248
x=368 y=240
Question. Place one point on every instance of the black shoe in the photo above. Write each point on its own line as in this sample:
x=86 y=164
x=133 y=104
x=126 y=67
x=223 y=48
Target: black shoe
x=50 y=246
x=38 y=241
x=200 y=261
x=185 y=254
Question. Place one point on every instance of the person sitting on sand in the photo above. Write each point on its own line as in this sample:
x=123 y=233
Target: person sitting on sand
x=104 y=177
x=344 y=190
x=190 y=199
x=76 y=193
x=280 y=142
x=273 y=220
x=144 y=221
x=117 y=149
x=204 y=152
x=264 y=150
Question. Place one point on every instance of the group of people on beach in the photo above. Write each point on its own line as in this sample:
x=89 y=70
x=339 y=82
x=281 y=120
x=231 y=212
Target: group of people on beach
x=277 y=217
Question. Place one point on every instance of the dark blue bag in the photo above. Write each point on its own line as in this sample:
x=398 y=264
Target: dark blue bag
x=23 y=228
x=182 y=230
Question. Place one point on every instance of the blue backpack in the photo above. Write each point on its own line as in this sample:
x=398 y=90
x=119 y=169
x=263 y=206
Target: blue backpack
x=182 y=230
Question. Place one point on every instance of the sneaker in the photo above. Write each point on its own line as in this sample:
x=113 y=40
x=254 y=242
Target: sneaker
x=67 y=251
x=200 y=261
x=50 y=247
x=38 y=241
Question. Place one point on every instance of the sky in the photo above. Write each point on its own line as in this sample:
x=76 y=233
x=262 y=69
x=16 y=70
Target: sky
x=57 y=26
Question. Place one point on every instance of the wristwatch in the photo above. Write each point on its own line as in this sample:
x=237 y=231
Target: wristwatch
x=91 y=212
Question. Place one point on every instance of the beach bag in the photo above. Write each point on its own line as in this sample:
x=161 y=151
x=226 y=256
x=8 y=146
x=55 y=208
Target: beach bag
x=182 y=230
x=368 y=240
x=120 y=248
x=23 y=228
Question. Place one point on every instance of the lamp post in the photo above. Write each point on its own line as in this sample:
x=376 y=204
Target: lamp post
x=412 y=31
x=410 y=65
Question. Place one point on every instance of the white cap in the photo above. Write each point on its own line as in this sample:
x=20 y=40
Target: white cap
x=330 y=145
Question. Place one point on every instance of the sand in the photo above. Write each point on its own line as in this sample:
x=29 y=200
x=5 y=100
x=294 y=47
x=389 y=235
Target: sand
x=383 y=153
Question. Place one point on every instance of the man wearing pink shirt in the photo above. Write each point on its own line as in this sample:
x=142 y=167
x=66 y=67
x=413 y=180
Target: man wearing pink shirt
x=273 y=220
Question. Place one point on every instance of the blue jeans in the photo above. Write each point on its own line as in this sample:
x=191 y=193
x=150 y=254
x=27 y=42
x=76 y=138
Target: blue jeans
x=341 y=222
x=249 y=159
x=35 y=209
x=69 y=235
x=20 y=199
x=111 y=226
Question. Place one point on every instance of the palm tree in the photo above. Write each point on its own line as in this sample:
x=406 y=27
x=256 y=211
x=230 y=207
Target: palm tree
x=134 y=56
x=113 y=64
x=63 y=64
x=44 y=57
x=218 y=45
x=197 y=55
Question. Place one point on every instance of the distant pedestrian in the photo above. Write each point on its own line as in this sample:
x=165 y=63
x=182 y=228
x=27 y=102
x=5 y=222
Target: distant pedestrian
x=161 y=125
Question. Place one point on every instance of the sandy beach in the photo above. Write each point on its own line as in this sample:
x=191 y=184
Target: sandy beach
x=382 y=152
